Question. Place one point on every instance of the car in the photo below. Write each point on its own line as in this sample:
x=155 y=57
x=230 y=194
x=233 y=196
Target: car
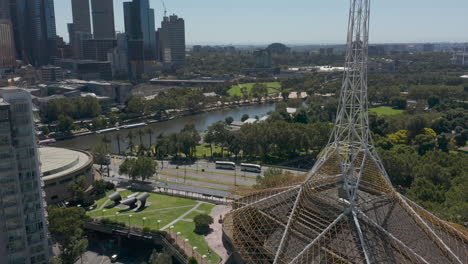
x=114 y=258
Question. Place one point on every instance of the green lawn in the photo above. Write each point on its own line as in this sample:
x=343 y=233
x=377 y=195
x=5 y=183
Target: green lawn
x=195 y=240
x=205 y=151
x=386 y=111
x=162 y=208
x=273 y=87
x=157 y=201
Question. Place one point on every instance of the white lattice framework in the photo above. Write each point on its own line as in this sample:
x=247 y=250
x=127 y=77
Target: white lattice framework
x=346 y=211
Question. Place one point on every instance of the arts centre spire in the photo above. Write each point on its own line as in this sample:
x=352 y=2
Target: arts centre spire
x=346 y=211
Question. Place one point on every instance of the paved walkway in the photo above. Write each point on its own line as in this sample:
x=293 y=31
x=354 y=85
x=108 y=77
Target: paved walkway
x=214 y=238
x=182 y=216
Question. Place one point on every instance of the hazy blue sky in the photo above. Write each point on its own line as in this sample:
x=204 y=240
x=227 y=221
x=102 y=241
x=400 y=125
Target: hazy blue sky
x=301 y=21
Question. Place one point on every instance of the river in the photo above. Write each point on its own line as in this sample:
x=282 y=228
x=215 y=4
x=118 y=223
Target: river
x=201 y=122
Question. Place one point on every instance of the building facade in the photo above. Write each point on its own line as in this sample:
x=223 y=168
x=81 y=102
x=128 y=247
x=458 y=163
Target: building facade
x=34 y=30
x=103 y=19
x=140 y=26
x=51 y=73
x=172 y=41
x=24 y=237
x=7 y=45
x=118 y=57
x=97 y=49
x=81 y=17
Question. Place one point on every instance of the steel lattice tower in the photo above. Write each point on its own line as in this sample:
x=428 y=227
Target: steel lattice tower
x=346 y=211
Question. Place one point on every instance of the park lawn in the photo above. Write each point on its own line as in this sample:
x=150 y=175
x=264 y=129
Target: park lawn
x=204 y=208
x=203 y=150
x=165 y=215
x=273 y=87
x=195 y=240
x=386 y=111
x=157 y=201
x=101 y=201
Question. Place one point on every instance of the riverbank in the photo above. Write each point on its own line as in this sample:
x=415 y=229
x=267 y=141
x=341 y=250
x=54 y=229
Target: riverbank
x=176 y=114
x=201 y=120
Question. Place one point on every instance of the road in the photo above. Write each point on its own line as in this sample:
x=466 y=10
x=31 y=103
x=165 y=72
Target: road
x=201 y=174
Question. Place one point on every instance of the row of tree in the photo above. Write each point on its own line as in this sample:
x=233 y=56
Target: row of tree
x=76 y=108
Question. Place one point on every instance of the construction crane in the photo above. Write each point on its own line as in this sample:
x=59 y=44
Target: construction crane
x=165 y=10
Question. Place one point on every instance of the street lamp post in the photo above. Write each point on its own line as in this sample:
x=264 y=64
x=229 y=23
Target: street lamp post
x=129 y=225
x=159 y=222
x=144 y=219
x=186 y=243
x=193 y=251
x=103 y=211
x=176 y=236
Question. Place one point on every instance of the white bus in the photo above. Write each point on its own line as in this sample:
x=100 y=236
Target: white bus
x=251 y=167
x=225 y=165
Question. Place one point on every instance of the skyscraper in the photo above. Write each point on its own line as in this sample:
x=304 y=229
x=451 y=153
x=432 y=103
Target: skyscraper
x=140 y=27
x=7 y=45
x=24 y=236
x=34 y=30
x=172 y=41
x=103 y=19
x=81 y=18
x=81 y=27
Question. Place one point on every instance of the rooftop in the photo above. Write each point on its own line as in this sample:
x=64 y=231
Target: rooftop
x=59 y=162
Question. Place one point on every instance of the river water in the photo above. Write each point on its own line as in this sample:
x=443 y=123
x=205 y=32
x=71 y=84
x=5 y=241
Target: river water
x=201 y=122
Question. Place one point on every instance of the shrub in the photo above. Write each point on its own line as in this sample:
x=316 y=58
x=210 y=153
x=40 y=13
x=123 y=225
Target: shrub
x=202 y=224
x=146 y=229
x=192 y=260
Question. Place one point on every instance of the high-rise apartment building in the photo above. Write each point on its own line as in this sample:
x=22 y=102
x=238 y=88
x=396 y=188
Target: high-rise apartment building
x=103 y=19
x=7 y=45
x=140 y=27
x=23 y=233
x=172 y=41
x=34 y=30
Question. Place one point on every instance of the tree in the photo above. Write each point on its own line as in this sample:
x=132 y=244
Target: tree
x=141 y=167
x=100 y=153
x=192 y=260
x=229 y=120
x=136 y=105
x=130 y=138
x=150 y=131
x=99 y=122
x=433 y=101
x=66 y=228
x=415 y=126
x=210 y=139
x=244 y=117
x=101 y=186
x=398 y=102
x=118 y=138
x=424 y=143
x=160 y=257
x=259 y=90
x=77 y=190
x=202 y=224
x=219 y=134
x=65 y=124
x=274 y=177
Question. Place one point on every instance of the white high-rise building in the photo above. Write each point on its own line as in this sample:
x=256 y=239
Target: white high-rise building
x=23 y=226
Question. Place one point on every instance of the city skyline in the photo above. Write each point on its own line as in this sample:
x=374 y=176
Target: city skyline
x=395 y=22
